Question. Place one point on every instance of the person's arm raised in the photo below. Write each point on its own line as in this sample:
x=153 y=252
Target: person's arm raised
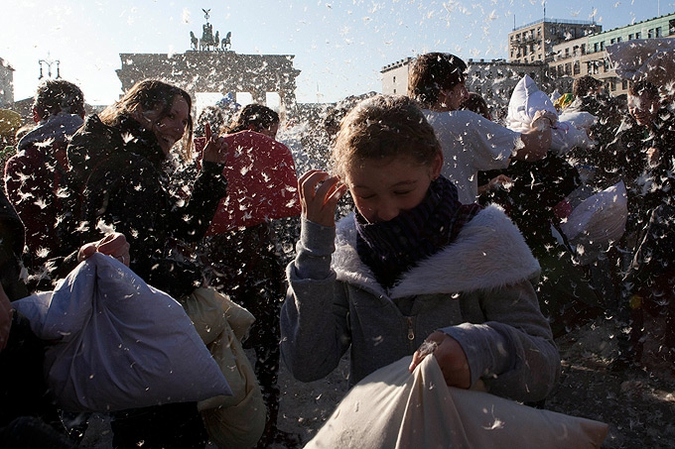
x=319 y=196
x=216 y=147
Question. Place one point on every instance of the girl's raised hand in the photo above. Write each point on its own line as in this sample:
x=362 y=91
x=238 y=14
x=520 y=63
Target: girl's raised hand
x=319 y=195
x=216 y=147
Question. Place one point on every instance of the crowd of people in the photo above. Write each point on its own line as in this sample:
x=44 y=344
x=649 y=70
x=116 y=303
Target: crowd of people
x=431 y=226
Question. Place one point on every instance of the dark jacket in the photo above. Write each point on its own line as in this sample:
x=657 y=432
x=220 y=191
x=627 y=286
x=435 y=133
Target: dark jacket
x=117 y=177
x=23 y=389
x=649 y=185
x=602 y=157
x=12 y=240
x=650 y=203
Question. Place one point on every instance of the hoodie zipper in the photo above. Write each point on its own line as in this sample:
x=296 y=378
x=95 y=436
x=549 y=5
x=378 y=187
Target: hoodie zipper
x=411 y=330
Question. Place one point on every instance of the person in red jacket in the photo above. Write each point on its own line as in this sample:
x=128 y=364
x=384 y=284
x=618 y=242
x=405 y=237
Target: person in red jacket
x=242 y=247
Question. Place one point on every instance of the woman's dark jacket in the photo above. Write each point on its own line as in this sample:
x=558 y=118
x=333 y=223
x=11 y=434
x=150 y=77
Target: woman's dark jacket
x=117 y=177
x=23 y=389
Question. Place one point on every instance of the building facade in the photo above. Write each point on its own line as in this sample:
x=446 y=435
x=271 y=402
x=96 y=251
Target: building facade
x=552 y=52
x=6 y=85
x=588 y=55
x=395 y=77
x=216 y=72
x=534 y=42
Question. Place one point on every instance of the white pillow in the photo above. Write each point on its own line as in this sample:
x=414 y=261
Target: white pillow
x=392 y=408
x=580 y=119
x=600 y=217
x=565 y=136
x=118 y=342
x=526 y=100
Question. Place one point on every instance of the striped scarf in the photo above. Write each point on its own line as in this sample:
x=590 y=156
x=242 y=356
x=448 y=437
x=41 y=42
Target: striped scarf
x=393 y=247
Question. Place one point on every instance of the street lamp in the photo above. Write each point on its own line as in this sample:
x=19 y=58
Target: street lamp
x=49 y=62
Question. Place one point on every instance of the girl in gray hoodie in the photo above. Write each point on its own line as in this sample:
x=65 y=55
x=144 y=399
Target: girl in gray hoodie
x=411 y=265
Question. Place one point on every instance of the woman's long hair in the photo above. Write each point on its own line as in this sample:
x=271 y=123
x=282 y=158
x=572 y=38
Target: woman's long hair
x=148 y=94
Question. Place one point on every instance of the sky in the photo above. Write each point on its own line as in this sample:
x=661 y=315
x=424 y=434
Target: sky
x=339 y=46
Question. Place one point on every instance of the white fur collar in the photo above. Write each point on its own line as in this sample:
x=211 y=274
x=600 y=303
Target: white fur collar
x=489 y=252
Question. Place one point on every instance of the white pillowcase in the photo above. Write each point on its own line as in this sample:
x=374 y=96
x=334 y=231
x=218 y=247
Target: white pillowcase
x=392 y=408
x=119 y=343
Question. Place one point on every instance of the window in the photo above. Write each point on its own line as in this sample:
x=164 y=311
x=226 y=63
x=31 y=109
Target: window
x=595 y=47
x=624 y=84
x=638 y=35
x=671 y=26
x=657 y=32
x=577 y=68
x=631 y=37
x=618 y=39
x=602 y=45
x=650 y=34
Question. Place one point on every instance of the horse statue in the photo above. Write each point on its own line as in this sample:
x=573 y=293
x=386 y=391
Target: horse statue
x=194 y=42
x=226 y=43
x=207 y=41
